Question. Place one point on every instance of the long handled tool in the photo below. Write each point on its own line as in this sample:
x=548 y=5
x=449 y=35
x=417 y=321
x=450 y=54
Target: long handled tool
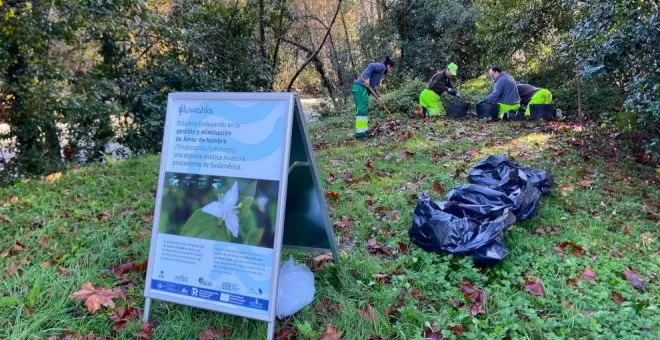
x=375 y=95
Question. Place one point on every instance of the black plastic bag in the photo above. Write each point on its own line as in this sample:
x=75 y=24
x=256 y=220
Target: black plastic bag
x=473 y=221
x=523 y=186
x=474 y=217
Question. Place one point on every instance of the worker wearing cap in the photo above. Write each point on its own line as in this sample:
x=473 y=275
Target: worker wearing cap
x=505 y=93
x=429 y=99
x=533 y=95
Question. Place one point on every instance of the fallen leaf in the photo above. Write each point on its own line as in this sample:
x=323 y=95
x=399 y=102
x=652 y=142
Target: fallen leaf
x=457 y=329
x=331 y=333
x=649 y=210
x=416 y=293
x=333 y=162
x=321 y=261
x=432 y=332
x=45 y=264
x=104 y=215
x=403 y=248
x=122 y=316
x=53 y=177
x=616 y=253
x=375 y=248
x=576 y=250
x=476 y=295
x=214 y=333
x=380 y=277
x=616 y=297
x=146 y=330
x=535 y=287
x=13 y=267
x=396 y=307
x=286 y=333
x=44 y=240
x=121 y=269
x=148 y=218
x=589 y=275
x=343 y=224
x=634 y=278
x=331 y=178
x=95 y=298
x=327 y=308
x=369 y=165
x=13 y=199
x=439 y=188
x=140 y=267
x=63 y=271
x=75 y=336
x=367 y=313
x=585 y=183
x=17 y=246
x=331 y=195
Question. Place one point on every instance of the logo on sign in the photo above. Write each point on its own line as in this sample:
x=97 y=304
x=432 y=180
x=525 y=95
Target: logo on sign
x=181 y=278
x=204 y=282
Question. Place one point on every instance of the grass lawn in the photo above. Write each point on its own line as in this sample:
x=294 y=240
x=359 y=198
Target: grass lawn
x=603 y=215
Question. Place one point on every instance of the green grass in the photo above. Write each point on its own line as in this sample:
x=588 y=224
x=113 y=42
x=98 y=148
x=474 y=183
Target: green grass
x=93 y=218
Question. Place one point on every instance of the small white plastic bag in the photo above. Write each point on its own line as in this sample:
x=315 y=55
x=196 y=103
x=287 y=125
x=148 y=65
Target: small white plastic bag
x=295 y=289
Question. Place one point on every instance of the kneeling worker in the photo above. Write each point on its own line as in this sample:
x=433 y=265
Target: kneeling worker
x=505 y=93
x=429 y=99
x=533 y=95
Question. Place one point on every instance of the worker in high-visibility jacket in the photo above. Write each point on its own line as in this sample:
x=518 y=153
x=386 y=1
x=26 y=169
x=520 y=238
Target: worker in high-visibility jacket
x=429 y=99
x=533 y=95
x=370 y=78
x=505 y=93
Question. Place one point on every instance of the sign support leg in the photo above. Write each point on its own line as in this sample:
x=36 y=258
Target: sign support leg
x=147 y=309
x=271 y=330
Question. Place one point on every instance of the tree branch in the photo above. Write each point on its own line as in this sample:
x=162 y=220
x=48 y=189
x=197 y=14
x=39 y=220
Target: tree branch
x=327 y=33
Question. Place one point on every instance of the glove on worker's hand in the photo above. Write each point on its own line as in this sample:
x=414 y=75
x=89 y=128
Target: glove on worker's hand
x=451 y=92
x=459 y=96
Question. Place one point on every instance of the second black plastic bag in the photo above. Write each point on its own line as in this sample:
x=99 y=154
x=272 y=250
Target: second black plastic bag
x=470 y=222
x=523 y=186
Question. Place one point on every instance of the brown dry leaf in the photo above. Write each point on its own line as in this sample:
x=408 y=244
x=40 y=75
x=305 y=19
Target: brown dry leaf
x=122 y=316
x=476 y=295
x=576 y=250
x=348 y=177
x=439 y=188
x=13 y=267
x=321 y=261
x=368 y=313
x=380 y=277
x=395 y=308
x=589 y=275
x=146 y=330
x=343 y=224
x=649 y=210
x=121 y=269
x=457 y=329
x=286 y=333
x=13 y=199
x=330 y=179
x=45 y=264
x=616 y=297
x=535 y=287
x=148 y=218
x=95 y=297
x=585 y=183
x=331 y=333
x=331 y=195
x=616 y=253
x=403 y=247
x=432 y=332
x=44 y=240
x=369 y=165
x=416 y=293
x=53 y=177
x=215 y=333
x=63 y=271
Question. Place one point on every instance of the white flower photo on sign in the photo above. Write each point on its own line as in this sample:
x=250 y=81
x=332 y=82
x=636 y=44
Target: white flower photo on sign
x=225 y=209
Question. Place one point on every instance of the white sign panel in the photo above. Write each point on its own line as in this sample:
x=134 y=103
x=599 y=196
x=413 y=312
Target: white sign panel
x=220 y=204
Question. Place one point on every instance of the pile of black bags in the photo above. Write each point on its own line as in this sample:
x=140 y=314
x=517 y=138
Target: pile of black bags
x=473 y=218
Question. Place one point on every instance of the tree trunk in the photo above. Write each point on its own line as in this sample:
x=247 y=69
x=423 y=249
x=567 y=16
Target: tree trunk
x=280 y=34
x=262 y=33
x=348 y=41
